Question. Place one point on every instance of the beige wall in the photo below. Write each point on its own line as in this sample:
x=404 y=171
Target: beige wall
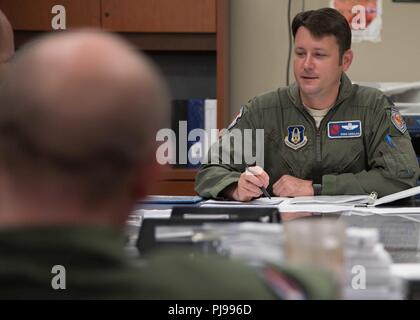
x=259 y=45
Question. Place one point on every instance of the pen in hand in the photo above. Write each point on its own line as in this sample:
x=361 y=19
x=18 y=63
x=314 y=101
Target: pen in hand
x=264 y=190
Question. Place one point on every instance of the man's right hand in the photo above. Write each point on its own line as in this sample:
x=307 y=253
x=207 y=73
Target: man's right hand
x=249 y=185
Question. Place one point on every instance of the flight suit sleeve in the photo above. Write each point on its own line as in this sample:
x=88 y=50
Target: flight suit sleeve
x=391 y=159
x=225 y=159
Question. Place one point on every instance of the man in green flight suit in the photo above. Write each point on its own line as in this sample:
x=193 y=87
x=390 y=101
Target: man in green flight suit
x=322 y=135
x=79 y=112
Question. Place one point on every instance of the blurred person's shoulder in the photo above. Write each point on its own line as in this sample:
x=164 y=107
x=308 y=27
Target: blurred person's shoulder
x=183 y=275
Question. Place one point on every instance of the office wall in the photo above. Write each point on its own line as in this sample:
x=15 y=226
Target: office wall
x=259 y=46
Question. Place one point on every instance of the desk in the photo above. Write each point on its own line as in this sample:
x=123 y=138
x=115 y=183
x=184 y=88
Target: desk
x=399 y=233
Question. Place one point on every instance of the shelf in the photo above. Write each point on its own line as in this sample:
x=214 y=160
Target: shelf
x=167 y=42
x=36 y=15
x=187 y=39
x=172 y=41
x=180 y=174
x=189 y=16
x=177 y=182
x=174 y=188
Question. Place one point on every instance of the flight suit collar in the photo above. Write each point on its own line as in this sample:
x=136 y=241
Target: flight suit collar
x=344 y=92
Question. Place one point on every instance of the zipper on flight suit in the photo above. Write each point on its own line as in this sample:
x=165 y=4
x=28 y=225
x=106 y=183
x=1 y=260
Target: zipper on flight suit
x=316 y=167
x=316 y=164
x=318 y=145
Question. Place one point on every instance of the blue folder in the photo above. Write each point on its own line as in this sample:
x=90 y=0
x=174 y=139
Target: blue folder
x=171 y=199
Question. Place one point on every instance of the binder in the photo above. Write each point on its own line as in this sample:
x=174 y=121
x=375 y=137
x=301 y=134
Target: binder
x=210 y=123
x=155 y=199
x=195 y=121
x=179 y=113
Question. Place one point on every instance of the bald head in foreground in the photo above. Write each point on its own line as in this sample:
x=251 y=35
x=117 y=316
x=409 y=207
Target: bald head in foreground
x=78 y=117
x=7 y=46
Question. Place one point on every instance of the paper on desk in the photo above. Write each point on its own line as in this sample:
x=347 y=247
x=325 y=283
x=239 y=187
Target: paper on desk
x=398 y=195
x=330 y=200
x=173 y=233
x=356 y=199
x=394 y=210
x=287 y=206
x=156 y=214
x=314 y=207
x=409 y=271
x=274 y=201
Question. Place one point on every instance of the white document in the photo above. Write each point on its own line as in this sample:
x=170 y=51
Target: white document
x=409 y=271
x=380 y=210
x=347 y=209
x=363 y=200
x=274 y=201
x=153 y=214
x=397 y=196
x=330 y=200
x=287 y=206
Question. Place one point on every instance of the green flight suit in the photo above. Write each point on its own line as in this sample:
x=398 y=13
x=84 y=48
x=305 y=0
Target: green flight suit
x=378 y=157
x=96 y=267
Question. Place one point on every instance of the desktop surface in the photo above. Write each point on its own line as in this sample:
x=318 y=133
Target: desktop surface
x=399 y=233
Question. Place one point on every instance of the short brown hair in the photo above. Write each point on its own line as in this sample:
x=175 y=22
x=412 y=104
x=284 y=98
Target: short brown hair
x=325 y=22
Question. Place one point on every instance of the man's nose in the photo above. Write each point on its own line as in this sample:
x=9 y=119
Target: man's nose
x=308 y=63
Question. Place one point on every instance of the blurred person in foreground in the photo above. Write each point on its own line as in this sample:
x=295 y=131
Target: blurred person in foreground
x=79 y=112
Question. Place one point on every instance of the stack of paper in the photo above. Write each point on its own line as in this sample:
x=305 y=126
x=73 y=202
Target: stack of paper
x=260 y=202
x=367 y=264
x=340 y=203
x=253 y=242
x=368 y=267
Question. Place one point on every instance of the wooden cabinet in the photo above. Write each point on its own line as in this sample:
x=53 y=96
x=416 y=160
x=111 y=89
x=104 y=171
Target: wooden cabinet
x=184 y=16
x=177 y=30
x=30 y=15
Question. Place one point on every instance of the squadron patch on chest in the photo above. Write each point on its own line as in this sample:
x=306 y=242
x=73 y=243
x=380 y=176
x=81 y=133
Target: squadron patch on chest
x=344 y=129
x=295 y=138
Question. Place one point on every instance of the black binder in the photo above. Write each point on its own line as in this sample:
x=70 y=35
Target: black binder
x=263 y=214
x=197 y=216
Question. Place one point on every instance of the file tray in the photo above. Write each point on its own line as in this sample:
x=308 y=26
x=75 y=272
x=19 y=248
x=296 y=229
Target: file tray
x=263 y=214
x=196 y=216
x=147 y=241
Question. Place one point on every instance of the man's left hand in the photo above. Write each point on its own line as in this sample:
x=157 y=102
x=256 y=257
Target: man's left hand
x=288 y=186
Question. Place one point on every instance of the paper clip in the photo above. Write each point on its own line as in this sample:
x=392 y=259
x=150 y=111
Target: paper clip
x=372 y=197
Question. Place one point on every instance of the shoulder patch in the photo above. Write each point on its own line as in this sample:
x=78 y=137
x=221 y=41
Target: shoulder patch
x=397 y=120
x=237 y=118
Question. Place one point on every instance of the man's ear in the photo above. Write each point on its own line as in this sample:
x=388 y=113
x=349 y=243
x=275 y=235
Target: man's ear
x=347 y=59
x=147 y=175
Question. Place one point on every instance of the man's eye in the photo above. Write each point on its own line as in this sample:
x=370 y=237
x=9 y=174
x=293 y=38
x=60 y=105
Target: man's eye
x=320 y=55
x=300 y=54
